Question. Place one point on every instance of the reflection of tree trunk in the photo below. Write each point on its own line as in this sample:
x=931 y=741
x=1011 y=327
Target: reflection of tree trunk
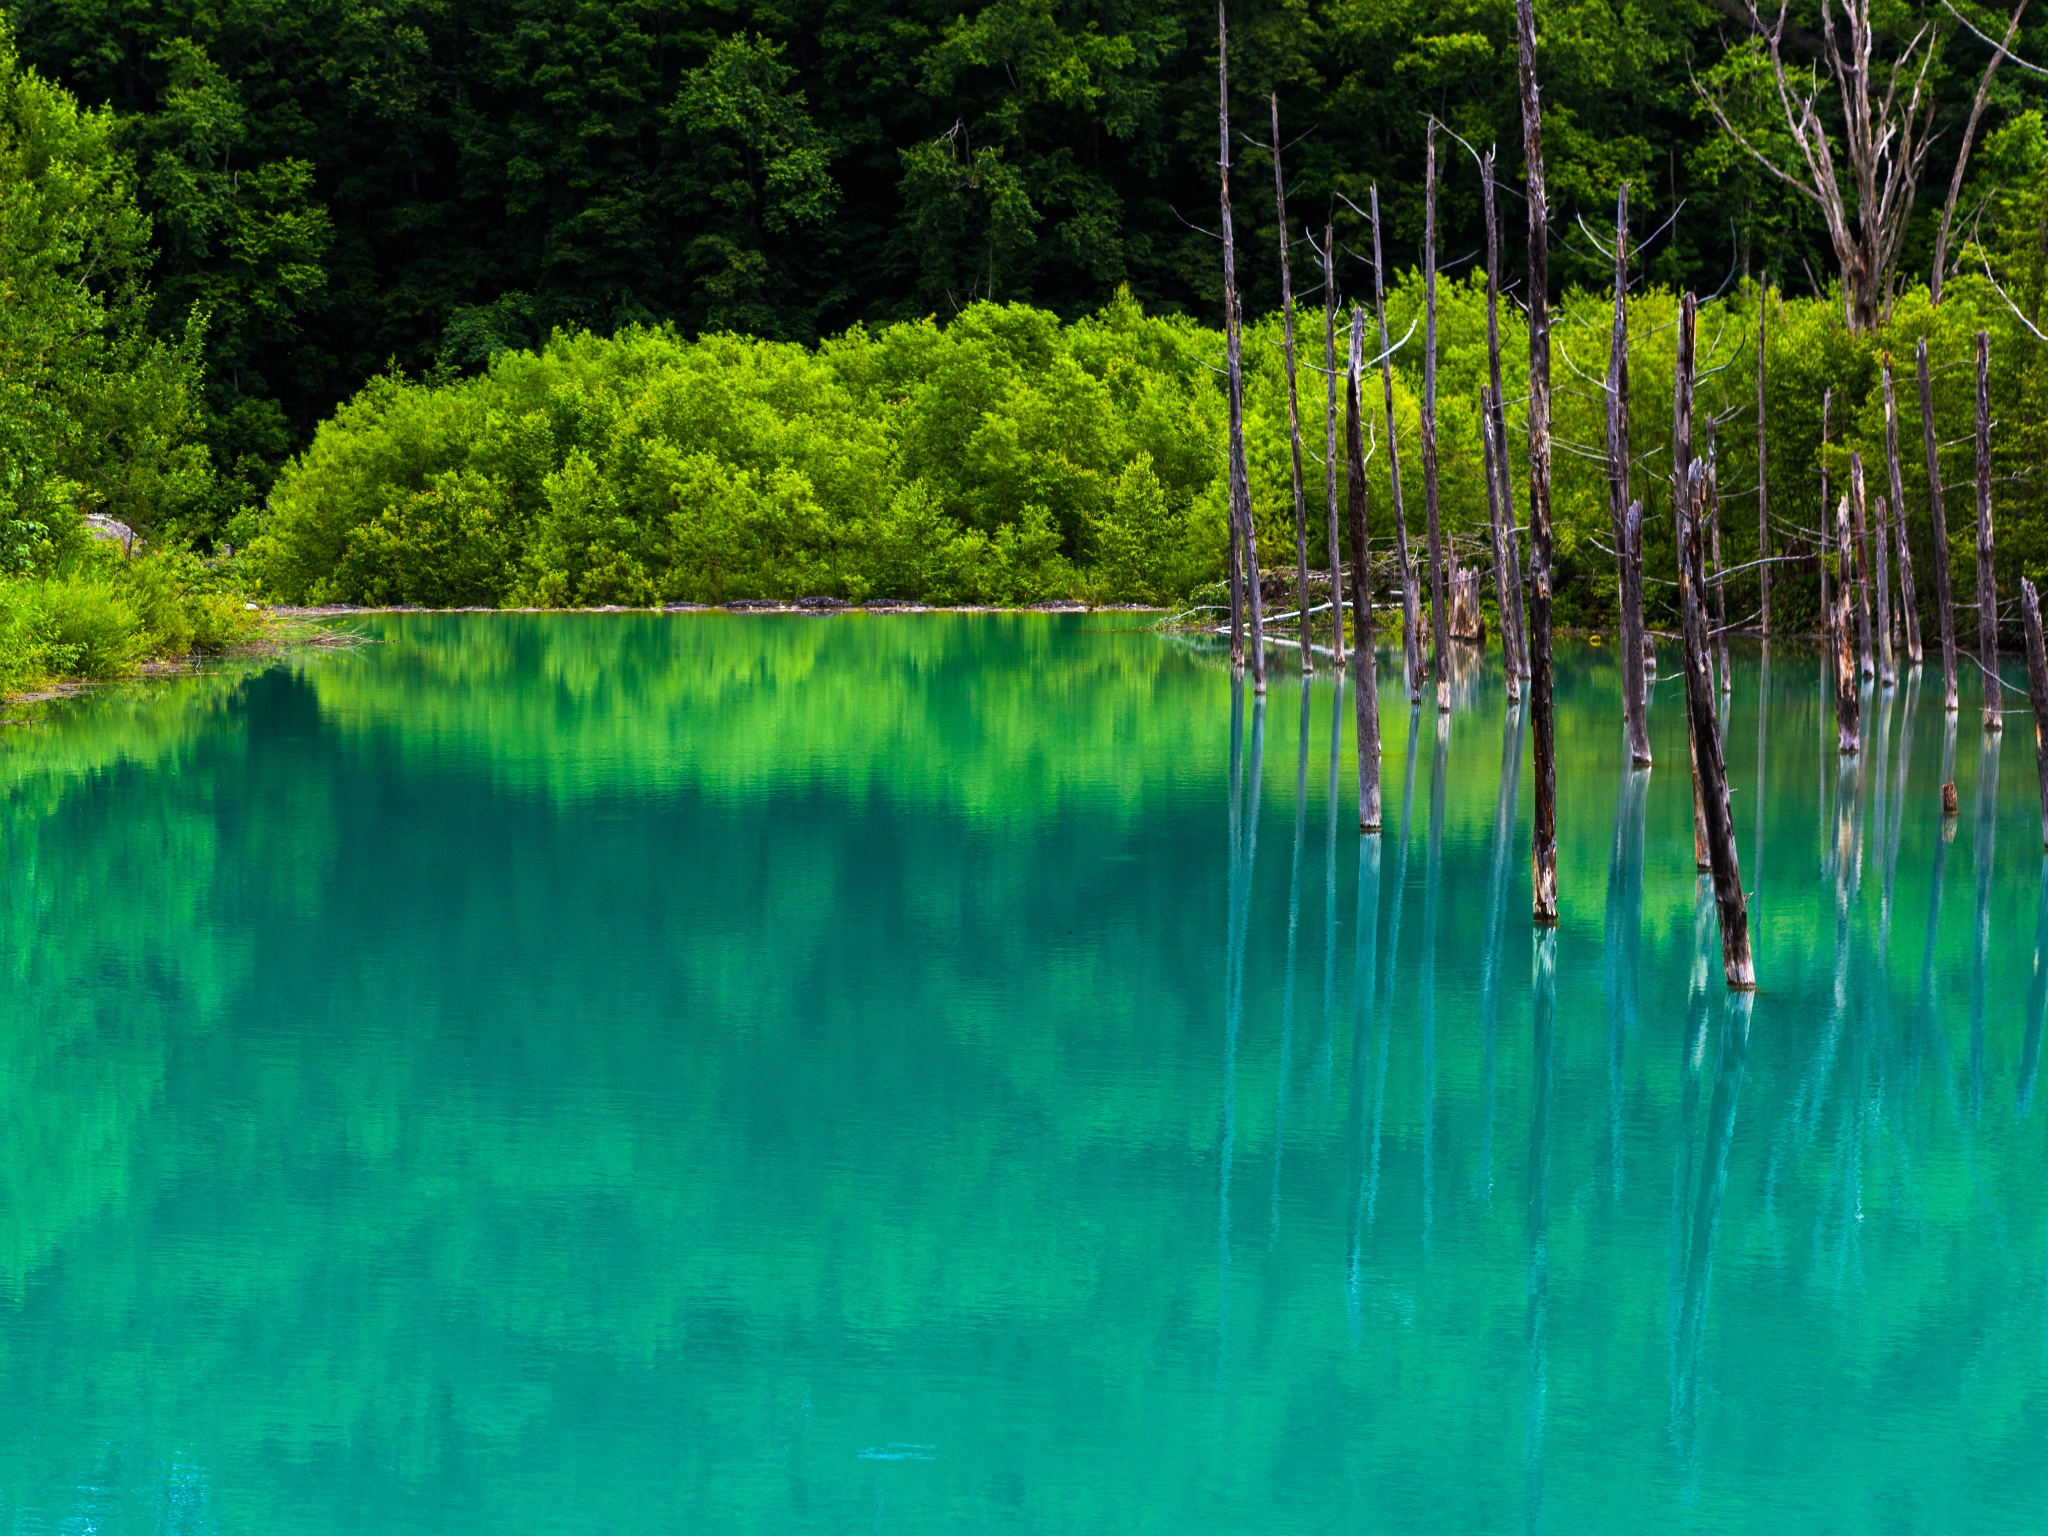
x=1948 y=833
x=1330 y=885
x=1432 y=901
x=1624 y=928
x=1537 y=1392
x=1364 y=1160
x=1287 y=982
x=1401 y=859
x=1496 y=925
x=1244 y=849
x=1986 y=849
x=2037 y=998
x=1900 y=775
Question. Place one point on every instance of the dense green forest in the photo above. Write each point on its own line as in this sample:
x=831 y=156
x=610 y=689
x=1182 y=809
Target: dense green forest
x=636 y=302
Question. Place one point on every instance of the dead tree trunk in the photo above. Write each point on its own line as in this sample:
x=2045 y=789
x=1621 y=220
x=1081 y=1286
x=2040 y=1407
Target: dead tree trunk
x=1720 y=570
x=1620 y=509
x=1943 y=596
x=1495 y=449
x=1364 y=662
x=1987 y=578
x=1763 y=501
x=1543 y=840
x=2037 y=691
x=1411 y=603
x=1508 y=578
x=1848 y=698
x=1909 y=608
x=1233 y=337
x=1705 y=723
x=1308 y=663
x=1862 y=562
x=1631 y=549
x=1887 y=653
x=1330 y=441
x=1681 y=481
x=1439 y=642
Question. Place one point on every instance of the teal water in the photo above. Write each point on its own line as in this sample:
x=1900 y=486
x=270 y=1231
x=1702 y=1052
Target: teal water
x=953 y=1073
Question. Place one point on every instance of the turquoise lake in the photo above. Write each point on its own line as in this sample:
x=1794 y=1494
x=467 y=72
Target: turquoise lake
x=621 y=1073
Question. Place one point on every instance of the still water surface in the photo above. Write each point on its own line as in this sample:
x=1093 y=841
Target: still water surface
x=630 y=1073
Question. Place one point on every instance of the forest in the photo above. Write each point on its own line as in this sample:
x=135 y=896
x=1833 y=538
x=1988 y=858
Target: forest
x=547 y=304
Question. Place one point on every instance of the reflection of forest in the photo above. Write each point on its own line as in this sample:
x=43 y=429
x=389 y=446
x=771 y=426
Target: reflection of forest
x=574 y=1064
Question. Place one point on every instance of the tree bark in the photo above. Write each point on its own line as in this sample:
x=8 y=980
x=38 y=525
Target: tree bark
x=1543 y=838
x=1439 y=642
x=2037 y=692
x=1330 y=439
x=1862 y=562
x=1620 y=509
x=1763 y=501
x=1705 y=729
x=1720 y=570
x=1848 y=697
x=1943 y=596
x=1364 y=661
x=1494 y=449
x=1514 y=626
x=1233 y=328
x=1308 y=663
x=1411 y=603
x=1632 y=683
x=1887 y=655
x=1909 y=608
x=1987 y=578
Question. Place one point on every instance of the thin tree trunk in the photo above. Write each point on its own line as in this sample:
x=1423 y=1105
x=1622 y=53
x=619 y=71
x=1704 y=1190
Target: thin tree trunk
x=1330 y=440
x=1955 y=181
x=1308 y=663
x=1494 y=449
x=1514 y=625
x=1543 y=838
x=1763 y=501
x=1681 y=481
x=2037 y=692
x=1236 y=577
x=1233 y=337
x=1943 y=596
x=1631 y=550
x=1827 y=523
x=1909 y=607
x=1987 y=578
x=1411 y=606
x=1620 y=509
x=1364 y=662
x=1862 y=562
x=1848 y=697
x=1887 y=655
x=1720 y=570
x=1736 y=963
x=1439 y=641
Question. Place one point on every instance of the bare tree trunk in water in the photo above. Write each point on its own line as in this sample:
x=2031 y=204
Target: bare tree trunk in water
x=1632 y=638
x=1763 y=502
x=1620 y=509
x=1330 y=441
x=1987 y=579
x=1681 y=482
x=1439 y=642
x=1848 y=699
x=1720 y=570
x=1494 y=449
x=1943 y=596
x=1827 y=523
x=1308 y=662
x=2037 y=692
x=1909 y=608
x=1736 y=964
x=1364 y=663
x=1881 y=571
x=1411 y=603
x=1862 y=561
x=1543 y=839
x=1233 y=339
x=1508 y=577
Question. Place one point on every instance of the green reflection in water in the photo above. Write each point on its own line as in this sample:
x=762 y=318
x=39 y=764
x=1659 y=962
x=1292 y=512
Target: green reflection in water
x=597 y=1073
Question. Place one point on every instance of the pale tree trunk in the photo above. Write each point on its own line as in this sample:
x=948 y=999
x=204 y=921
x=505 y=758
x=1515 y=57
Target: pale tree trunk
x=1494 y=449
x=1909 y=608
x=1632 y=635
x=1330 y=441
x=1763 y=502
x=1862 y=563
x=1233 y=338
x=1508 y=579
x=1987 y=577
x=1943 y=595
x=1308 y=663
x=1620 y=509
x=1681 y=482
x=1364 y=663
x=2037 y=692
x=1848 y=698
x=1411 y=604
x=1439 y=643
x=1543 y=839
